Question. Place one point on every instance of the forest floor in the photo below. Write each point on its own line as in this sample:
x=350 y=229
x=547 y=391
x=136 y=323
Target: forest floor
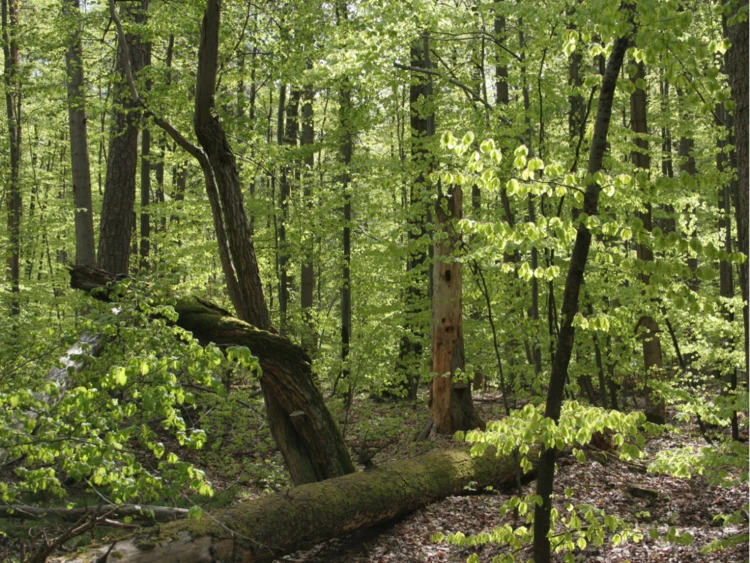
x=689 y=505
x=242 y=462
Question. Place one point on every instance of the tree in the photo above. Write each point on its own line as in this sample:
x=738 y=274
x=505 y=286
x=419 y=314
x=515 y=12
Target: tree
x=13 y=119
x=117 y=220
x=79 y=144
x=573 y=281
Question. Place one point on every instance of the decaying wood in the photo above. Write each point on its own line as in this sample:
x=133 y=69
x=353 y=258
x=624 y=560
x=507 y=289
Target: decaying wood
x=263 y=529
x=311 y=445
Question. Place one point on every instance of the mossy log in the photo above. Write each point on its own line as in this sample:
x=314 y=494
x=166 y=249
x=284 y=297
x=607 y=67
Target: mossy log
x=300 y=422
x=267 y=528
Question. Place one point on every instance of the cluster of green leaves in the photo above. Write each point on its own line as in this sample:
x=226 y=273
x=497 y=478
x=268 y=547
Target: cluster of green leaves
x=117 y=425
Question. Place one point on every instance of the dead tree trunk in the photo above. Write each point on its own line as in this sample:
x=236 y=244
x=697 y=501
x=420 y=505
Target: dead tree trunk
x=267 y=528
x=302 y=426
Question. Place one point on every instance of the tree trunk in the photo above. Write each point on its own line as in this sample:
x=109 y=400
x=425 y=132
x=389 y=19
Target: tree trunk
x=300 y=422
x=652 y=361
x=145 y=234
x=116 y=227
x=737 y=69
x=299 y=436
x=267 y=528
x=573 y=282
x=307 y=282
x=79 y=145
x=422 y=121
x=346 y=150
x=450 y=403
x=11 y=77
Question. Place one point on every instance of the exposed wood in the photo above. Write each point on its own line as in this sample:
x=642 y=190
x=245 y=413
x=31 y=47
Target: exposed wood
x=272 y=526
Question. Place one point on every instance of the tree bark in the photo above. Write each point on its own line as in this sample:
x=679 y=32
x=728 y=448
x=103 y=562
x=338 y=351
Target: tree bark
x=116 y=226
x=304 y=430
x=11 y=77
x=79 y=145
x=422 y=121
x=737 y=69
x=652 y=359
x=450 y=403
x=267 y=528
x=307 y=282
x=573 y=282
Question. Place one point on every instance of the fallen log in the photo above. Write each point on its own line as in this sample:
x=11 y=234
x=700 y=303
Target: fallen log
x=266 y=528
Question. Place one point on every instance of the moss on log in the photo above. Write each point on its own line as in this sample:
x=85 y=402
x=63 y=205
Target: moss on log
x=263 y=529
x=300 y=422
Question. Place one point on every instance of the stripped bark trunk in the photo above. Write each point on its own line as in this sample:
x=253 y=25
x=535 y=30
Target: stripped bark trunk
x=450 y=402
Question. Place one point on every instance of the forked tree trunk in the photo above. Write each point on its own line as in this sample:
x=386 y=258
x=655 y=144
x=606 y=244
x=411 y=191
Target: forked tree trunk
x=293 y=433
x=267 y=528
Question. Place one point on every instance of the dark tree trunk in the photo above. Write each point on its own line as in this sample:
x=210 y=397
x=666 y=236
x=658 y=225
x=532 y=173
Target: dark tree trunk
x=346 y=151
x=300 y=422
x=268 y=528
x=422 y=121
x=652 y=359
x=307 y=281
x=243 y=277
x=12 y=81
x=79 y=145
x=737 y=69
x=116 y=226
x=145 y=235
x=573 y=282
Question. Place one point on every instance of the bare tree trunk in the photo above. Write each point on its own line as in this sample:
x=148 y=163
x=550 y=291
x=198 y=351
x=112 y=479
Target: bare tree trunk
x=451 y=404
x=116 y=226
x=13 y=114
x=573 y=282
x=79 y=145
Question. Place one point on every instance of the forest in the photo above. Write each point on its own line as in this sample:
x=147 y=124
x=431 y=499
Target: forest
x=374 y=280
